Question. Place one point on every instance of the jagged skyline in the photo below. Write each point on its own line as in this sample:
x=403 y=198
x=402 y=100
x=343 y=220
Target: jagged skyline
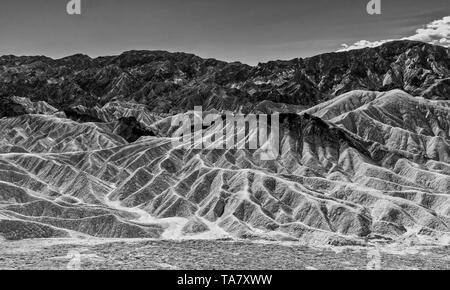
x=248 y=31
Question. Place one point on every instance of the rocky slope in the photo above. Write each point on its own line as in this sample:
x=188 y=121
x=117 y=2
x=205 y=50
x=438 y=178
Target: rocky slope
x=86 y=147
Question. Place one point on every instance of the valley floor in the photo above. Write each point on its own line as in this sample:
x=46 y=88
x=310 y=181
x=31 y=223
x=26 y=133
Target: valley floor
x=208 y=255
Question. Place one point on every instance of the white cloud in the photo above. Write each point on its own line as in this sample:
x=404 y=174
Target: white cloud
x=436 y=32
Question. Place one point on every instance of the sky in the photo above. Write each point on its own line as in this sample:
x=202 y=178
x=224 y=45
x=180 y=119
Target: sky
x=249 y=31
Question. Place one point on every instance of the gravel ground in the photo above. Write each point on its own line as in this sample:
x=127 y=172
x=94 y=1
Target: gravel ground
x=208 y=255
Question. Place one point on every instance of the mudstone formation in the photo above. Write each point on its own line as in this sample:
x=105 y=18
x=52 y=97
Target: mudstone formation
x=86 y=147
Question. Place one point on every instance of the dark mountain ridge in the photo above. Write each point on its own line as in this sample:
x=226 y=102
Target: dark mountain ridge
x=175 y=82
